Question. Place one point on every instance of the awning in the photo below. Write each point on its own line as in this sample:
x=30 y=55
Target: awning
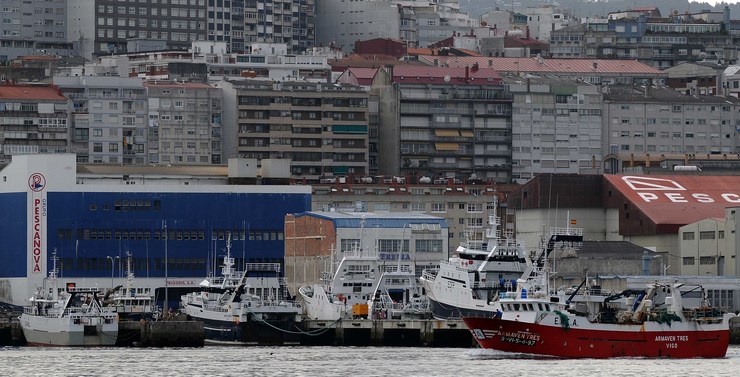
x=447 y=133
x=447 y=146
x=466 y=133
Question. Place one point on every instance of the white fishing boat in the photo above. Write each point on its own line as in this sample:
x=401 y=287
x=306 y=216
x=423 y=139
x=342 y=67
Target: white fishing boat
x=131 y=303
x=72 y=317
x=467 y=283
x=365 y=286
x=250 y=307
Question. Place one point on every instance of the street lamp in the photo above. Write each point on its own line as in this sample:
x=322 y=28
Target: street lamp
x=112 y=268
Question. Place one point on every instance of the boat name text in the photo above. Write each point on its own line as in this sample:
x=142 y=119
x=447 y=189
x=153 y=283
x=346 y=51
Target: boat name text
x=671 y=338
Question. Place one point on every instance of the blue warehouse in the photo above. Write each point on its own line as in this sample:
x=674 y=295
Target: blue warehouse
x=174 y=225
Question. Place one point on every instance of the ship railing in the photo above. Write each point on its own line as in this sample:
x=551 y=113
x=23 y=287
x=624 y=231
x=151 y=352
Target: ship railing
x=429 y=275
x=486 y=284
x=275 y=267
x=703 y=314
x=560 y=231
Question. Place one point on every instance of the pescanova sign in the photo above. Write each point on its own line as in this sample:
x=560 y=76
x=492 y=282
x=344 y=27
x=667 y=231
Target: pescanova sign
x=37 y=183
x=657 y=189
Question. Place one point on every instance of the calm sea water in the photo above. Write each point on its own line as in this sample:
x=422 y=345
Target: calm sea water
x=337 y=361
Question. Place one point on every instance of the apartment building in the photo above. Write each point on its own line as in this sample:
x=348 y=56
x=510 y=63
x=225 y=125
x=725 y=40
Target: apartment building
x=640 y=121
x=556 y=126
x=322 y=128
x=444 y=123
x=110 y=24
x=660 y=42
x=33 y=28
x=33 y=119
x=108 y=118
x=279 y=21
x=185 y=124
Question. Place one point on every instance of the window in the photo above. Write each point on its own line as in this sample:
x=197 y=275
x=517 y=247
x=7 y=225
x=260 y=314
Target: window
x=706 y=235
x=392 y=246
x=349 y=244
x=438 y=207
x=688 y=236
x=418 y=207
x=688 y=261
x=428 y=246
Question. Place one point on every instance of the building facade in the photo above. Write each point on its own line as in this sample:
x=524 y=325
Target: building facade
x=315 y=242
x=444 y=123
x=34 y=119
x=175 y=231
x=648 y=120
x=184 y=124
x=556 y=127
x=109 y=121
x=33 y=28
x=322 y=128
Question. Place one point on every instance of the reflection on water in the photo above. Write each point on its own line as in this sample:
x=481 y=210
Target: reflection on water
x=337 y=361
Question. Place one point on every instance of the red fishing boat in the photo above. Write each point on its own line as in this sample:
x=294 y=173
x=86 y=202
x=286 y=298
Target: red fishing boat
x=663 y=320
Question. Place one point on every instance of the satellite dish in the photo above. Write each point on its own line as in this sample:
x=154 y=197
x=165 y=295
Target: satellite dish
x=447 y=78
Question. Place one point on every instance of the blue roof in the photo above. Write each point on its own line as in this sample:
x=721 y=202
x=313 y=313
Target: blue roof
x=376 y=219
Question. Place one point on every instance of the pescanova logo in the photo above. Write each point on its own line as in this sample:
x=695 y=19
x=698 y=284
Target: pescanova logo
x=654 y=189
x=37 y=182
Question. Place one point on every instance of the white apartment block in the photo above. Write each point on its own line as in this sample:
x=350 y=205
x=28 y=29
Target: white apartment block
x=556 y=127
x=185 y=124
x=108 y=118
x=659 y=121
x=33 y=28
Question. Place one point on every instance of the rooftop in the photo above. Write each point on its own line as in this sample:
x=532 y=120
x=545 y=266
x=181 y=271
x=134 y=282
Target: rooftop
x=542 y=65
x=30 y=92
x=376 y=219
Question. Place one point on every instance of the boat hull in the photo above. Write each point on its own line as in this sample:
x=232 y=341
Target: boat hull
x=446 y=311
x=224 y=328
x=61 y=332
x=709 y=341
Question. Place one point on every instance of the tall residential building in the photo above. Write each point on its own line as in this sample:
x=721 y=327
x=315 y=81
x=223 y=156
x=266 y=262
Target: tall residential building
x=33 y=28
x=280 y=21
x=33 y=119
x=108 y=118
x=660 y=42
x=116 y=22
x=556 y=127
x=418 y=23
x=322 y=128
x=341 y=23
x=640 y=122
x=444 y=123
x=184 y=124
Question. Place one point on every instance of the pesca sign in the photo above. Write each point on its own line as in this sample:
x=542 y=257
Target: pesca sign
x=37 y=183
x=657 y=189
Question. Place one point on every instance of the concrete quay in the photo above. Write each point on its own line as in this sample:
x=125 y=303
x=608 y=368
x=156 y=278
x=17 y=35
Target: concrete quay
x=386 y=332
x=168 y=333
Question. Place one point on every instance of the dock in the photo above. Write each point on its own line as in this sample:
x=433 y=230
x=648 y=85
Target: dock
x=387 y=332
x=169 y=333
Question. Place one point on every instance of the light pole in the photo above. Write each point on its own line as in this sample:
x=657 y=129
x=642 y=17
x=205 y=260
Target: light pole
x=112 y=269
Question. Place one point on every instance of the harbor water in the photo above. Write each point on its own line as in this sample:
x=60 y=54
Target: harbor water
x=337 y=361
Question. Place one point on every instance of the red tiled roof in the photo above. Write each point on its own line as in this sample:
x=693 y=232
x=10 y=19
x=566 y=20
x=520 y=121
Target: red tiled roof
x=514 y=41
x=28 y=92
x=420 y=51
x=436 y=75
x=363 y=76
x=671 y=201
x=602 y=66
